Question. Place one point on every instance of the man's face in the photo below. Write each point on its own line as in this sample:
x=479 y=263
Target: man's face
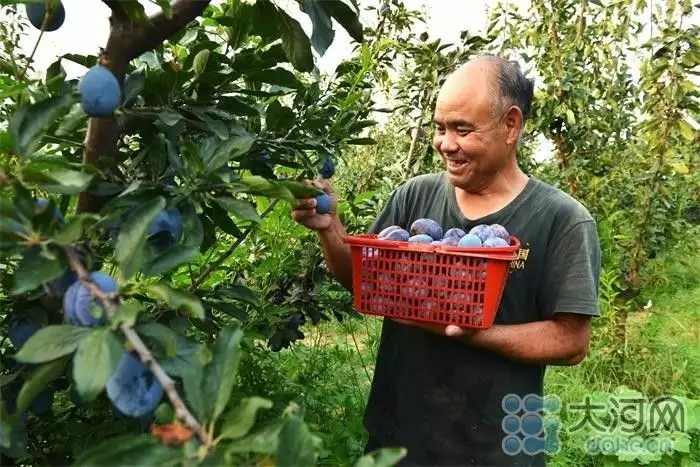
x=472 y=140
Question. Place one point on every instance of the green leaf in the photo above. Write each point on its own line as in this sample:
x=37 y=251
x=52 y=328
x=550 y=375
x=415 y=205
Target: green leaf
x=222 y=220
x=222 y=371
x=295 y=42
x=178 y=300
x=296 y=444
x=192 y=227
x=323 y=33
x=239 y=292
x=165 y=7
x=54 y=179
x=34 y=270
x=74 y=228
x=385 y=457
x=132 y=235
x=73 y=121
x=13 y=436
x=681 y=442
x=96 y=359
x=126 y=313
x=171 y=259
x=686 y=130
x=570 y=117
x=132 y=450
x=235 y=146
x=135 y=11
x=242 y=419
x=345 y=16
x=239 y=208
x=52 y=342
x=200 y=61
x=278 y=117
x=277 y=76
x=299 y=190
x=38 y=381
x=262 y=186
x=170 y=117
x=262 y=441
x=30 y=122
x=134 y=84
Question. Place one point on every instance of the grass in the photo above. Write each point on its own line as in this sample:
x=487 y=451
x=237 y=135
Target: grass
x=329 y=373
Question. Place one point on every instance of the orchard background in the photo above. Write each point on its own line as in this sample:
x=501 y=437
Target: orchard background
x=180 y=196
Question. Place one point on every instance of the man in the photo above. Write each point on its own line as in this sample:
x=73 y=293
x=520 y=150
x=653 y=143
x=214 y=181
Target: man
x=439 y=391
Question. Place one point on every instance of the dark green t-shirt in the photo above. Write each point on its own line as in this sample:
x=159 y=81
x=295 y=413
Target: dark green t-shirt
x=441 y=398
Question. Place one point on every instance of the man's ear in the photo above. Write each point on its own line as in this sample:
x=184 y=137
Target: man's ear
x=513 y=120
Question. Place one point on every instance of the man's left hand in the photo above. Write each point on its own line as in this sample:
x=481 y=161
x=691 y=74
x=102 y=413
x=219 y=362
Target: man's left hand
x=445 y=330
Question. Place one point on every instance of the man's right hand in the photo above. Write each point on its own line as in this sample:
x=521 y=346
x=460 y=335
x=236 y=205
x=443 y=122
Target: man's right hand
x=305 y=211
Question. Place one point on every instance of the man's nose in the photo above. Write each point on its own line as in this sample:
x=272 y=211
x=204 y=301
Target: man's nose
x=448 y=143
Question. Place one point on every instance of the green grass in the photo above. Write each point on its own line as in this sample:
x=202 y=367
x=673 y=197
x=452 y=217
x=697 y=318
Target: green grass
x=329 y=372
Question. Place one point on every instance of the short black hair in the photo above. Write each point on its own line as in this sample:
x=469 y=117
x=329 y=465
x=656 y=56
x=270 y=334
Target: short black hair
x=514 y=88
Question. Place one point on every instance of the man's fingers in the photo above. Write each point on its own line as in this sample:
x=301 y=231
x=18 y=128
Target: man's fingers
x=303 y=204
x=303 y=214
x=453 y=331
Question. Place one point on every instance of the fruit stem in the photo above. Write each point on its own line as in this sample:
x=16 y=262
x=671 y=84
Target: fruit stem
x=44 y=23
x=109 y=303
x=215 y=265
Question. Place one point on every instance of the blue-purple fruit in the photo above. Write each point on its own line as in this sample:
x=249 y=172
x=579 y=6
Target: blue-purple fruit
x=426 y=227
x=77 y=301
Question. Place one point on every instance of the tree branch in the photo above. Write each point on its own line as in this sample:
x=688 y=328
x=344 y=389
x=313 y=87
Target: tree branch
x=109 y=303
x=162 y=27
x=127 y=41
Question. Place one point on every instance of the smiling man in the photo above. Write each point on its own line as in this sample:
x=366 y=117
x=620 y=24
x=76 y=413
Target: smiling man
x=441 y=391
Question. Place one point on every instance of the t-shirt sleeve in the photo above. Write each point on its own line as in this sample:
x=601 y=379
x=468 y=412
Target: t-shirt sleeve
x=571 y=273
x=392 y=213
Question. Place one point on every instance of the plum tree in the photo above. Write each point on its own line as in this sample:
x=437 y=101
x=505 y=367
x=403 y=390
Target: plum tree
x=78 y=301
x=427 y=227
x=37 y=11
x=100 y=93
x=132 y=388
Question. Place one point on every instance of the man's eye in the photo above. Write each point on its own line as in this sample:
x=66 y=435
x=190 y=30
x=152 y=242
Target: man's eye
x=439 y=129
x=464 y=131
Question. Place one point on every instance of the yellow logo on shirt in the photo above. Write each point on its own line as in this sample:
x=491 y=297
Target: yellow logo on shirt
x=519 y=262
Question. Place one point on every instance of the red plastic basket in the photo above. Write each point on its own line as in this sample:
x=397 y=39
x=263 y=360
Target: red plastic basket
x=430 y=283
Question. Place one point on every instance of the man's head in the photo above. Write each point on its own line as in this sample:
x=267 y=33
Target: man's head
x=480 y=112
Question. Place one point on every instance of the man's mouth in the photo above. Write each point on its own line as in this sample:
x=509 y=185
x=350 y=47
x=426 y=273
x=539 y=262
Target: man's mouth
x=456 y=163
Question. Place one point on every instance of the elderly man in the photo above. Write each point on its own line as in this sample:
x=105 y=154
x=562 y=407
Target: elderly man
x=441 y=391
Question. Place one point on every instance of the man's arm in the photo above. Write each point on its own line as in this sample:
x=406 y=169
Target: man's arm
x=568 y=292
x=560 y=340
x=337 y=253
